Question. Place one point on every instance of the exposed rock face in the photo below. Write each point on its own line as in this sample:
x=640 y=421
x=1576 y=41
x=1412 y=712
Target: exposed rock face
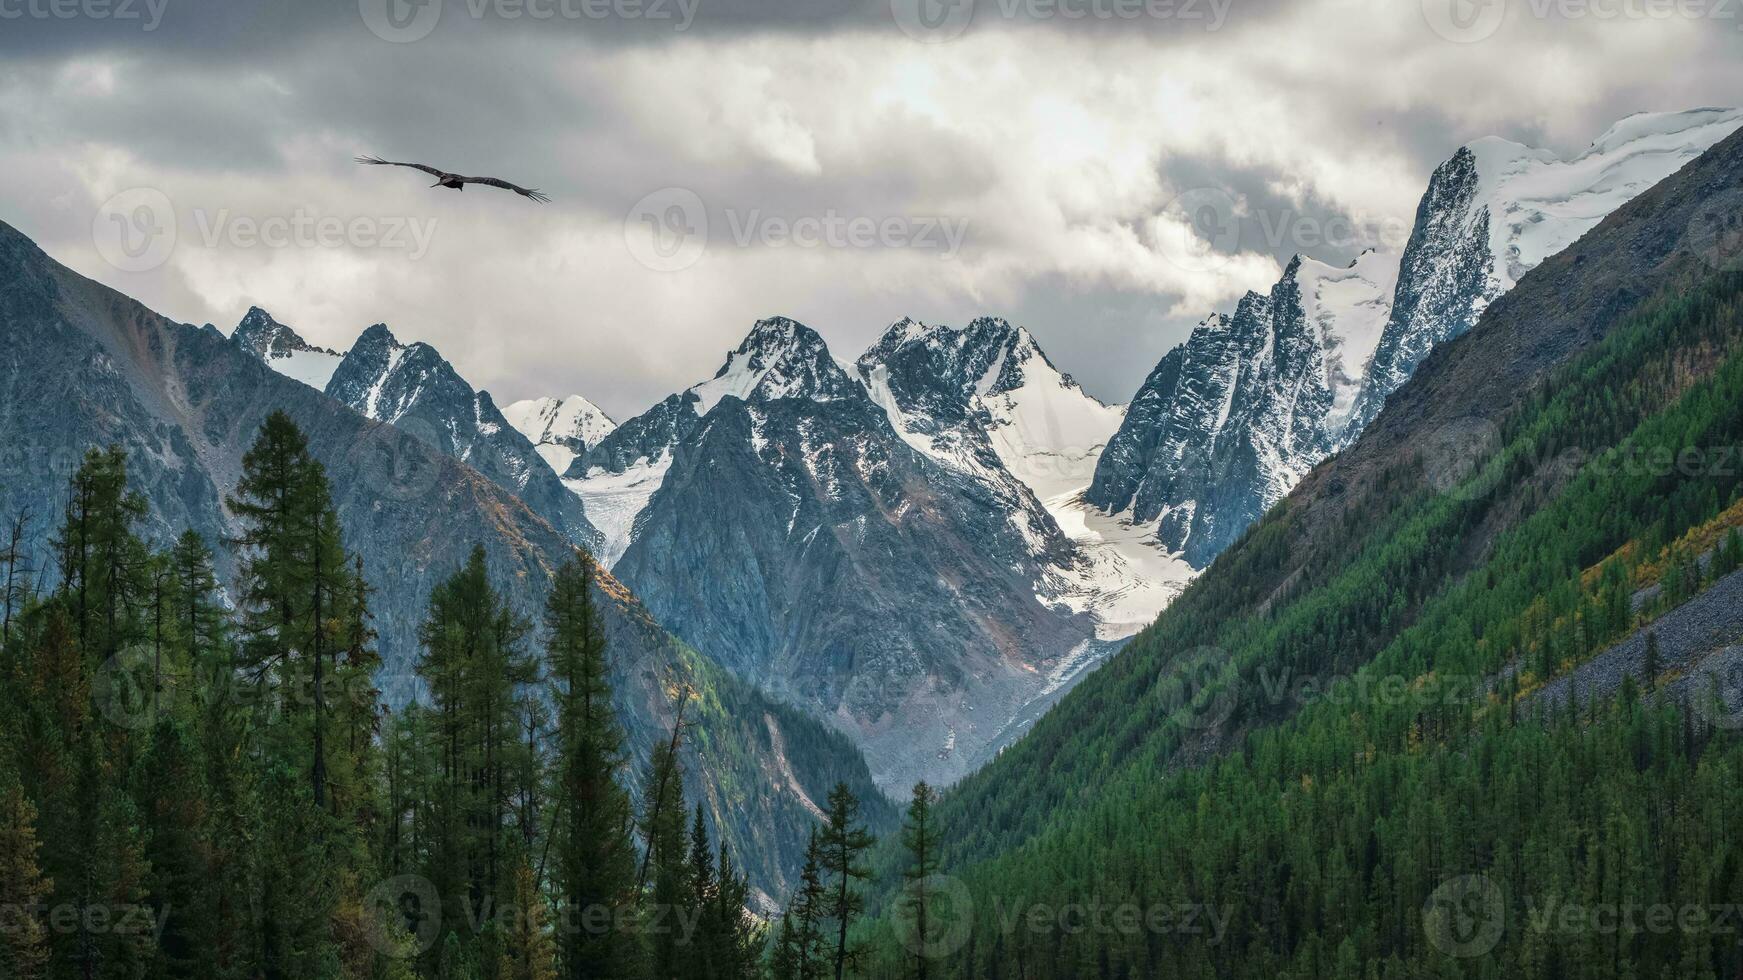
x=1497 y=209
x=412 y=387
x=798 y=538
x=283 y=350
x=1233 y=419
x=81 y=366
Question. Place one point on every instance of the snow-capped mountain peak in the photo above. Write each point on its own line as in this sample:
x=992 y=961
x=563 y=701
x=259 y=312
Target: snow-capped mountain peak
x=560 y=428
x=1229 y=422
x=1497 y=209
x=779 y=358
x=284 y=350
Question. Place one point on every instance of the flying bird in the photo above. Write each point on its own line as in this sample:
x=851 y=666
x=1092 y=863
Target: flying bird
x=459 y=182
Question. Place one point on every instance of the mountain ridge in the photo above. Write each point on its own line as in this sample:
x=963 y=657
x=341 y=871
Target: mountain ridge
x=86 y=366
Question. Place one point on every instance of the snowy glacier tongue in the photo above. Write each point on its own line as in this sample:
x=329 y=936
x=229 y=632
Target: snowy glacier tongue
x=1348 y=307
x=1539 y=204
x=954 y=393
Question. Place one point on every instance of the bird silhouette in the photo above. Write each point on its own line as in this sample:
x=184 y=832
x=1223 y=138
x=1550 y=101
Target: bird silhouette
x=457 y=181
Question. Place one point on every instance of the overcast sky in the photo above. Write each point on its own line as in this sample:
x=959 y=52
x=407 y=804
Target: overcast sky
x=843 y=162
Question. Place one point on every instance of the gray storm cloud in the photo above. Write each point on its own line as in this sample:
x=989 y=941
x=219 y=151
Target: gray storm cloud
x=1049 y=139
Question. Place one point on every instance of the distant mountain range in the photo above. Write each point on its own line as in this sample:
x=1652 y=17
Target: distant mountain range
x=82 y=366
x=928 y=545
x=1230 y=421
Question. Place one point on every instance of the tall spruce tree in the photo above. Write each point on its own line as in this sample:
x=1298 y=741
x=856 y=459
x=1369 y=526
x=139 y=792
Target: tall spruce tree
x=740 y=937
x=293 y=567
x=842 y=850
x=474 y=664
x=594 y=868
x=919 y=837
x=807 y=912
x=662 y=826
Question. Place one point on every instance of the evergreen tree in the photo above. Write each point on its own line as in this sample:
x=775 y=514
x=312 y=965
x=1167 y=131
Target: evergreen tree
x=698 y=926
x=24 y=947
x=527 y=950
x=594 y=877
x=200 y=620
x=102 y=561
x=474 y=664
x=14 y=593
x=807 y=912
x=178 y=827
x=918 y=836
x=784 y=953
x=842 y=850
x=739 y=936
x=293 y=568
x=294 y=596
x=662 y=826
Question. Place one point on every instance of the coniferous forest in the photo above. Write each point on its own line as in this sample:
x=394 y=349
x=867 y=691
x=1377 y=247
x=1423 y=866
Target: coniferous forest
x=203 y=788
x=192 y=788
x=1297 y=536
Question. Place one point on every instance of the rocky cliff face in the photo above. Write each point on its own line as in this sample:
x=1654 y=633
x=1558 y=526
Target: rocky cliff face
x=1233 y=419
x=280 y=348
x=81 y=365
x=414 y=389
x=797 y=537
x=1497 y=209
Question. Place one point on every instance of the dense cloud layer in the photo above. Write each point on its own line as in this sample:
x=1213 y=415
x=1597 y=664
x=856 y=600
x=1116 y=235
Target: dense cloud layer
x=852 y=162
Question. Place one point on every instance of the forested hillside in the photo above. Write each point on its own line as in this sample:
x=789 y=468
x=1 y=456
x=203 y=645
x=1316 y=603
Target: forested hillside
x=1310 y=745
x=195 y=785
x=83 y=367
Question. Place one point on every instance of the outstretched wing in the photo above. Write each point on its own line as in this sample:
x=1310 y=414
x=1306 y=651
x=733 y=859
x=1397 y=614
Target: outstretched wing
x=389 y=163
x=505 y=185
